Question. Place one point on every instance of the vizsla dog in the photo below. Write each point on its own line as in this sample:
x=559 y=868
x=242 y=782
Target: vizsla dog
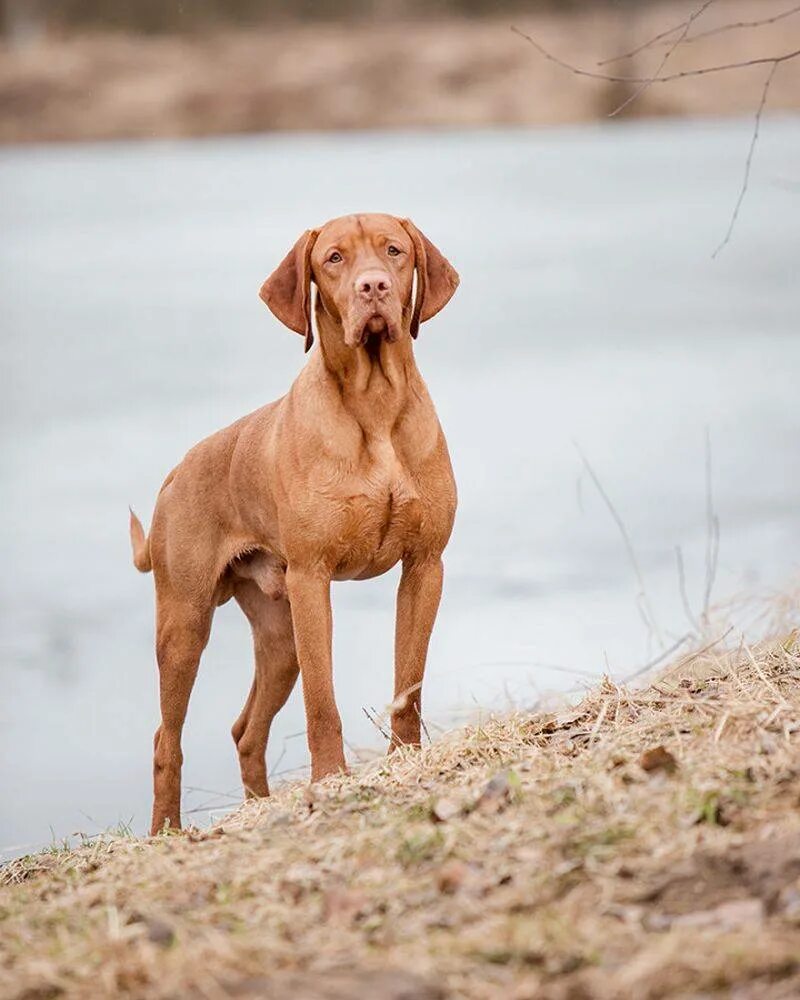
x=340 y=479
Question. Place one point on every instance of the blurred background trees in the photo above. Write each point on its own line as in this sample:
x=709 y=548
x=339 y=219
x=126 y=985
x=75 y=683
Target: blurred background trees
x=111 y=69
x=22 y=18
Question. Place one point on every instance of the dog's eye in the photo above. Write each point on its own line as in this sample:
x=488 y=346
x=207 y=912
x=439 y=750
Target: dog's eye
x=392 y=250
x=335 y=257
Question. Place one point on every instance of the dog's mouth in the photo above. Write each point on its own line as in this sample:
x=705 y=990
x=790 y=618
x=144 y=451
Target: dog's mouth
x=376 y=330
x=376 y=324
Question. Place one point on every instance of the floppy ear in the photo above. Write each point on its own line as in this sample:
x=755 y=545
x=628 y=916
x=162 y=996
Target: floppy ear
x=287 y=290
x=437 y=279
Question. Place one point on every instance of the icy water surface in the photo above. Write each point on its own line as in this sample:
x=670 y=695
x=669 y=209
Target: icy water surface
x=590 y=314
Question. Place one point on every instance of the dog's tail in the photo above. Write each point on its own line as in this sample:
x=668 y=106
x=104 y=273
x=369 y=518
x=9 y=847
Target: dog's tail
x=140 y=544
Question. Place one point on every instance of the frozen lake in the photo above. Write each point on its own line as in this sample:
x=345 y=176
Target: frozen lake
x=590 y=313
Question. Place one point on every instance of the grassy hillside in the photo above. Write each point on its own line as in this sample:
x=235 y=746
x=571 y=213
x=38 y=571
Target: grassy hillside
x=645 y=843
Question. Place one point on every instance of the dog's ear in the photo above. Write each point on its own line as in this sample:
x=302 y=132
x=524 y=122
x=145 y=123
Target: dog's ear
x=437 y=279
x=287 y=291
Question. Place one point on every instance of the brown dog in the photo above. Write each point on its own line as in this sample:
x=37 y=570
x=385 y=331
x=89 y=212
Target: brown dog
x=340 y=479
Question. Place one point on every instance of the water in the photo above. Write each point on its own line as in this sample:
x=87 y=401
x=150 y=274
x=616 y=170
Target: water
x=590 y=312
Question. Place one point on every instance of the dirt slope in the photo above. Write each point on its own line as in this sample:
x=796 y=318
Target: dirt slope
x=645 y=843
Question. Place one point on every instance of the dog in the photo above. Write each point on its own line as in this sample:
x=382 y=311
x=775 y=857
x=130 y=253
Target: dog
x=340 y=479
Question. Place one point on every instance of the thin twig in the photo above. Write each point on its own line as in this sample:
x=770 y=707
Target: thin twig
x=279 y=761
x=720 y=727
x=643 y=87
x=682 y=583
x=712 y=532
x=764 y=679
x=737 y=25
x=641 y=607
x=659 y=659
x=422 y=723
x=599 y=720
x=610 y=78
x=749 y=161
x=645 y=601
x=212 y=791
x=699 y=652
x=540 y=664
x=376 y=723
x=663 y=36
x=772 y=61
x=660 y=37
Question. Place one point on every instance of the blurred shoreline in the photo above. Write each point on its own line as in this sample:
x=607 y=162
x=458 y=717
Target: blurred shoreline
x=386 y=74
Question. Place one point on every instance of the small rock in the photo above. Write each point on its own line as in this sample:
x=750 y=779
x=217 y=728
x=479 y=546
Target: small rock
x=495 y=796
x=658 y=759
x=451 y=876
x=158 y=931
x=444 y=809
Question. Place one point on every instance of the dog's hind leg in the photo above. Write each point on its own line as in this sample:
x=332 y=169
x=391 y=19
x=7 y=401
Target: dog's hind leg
x=276 y=671
x=182 y=630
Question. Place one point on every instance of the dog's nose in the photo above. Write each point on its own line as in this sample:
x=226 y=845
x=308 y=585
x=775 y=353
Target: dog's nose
x=373 y=284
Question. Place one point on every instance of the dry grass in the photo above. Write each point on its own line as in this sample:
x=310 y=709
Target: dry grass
x=385 y=74
x=644 y=843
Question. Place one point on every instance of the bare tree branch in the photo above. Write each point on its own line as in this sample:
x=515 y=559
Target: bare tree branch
x=643 y=87
x=663 y=37
x=646 y=81
x=738 y=25
x=610 y=78
x=748 y=162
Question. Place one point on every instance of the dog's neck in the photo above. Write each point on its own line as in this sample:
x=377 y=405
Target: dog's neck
x=373 y=384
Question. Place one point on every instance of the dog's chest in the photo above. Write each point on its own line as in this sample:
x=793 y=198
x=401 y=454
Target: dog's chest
x=383 y=510
x=384 y=474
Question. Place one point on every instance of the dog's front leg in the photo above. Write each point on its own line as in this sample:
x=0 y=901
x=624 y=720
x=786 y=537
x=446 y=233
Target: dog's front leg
x=310 y=599
x=417 y=603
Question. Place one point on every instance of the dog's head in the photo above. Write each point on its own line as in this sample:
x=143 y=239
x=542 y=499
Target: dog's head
x=378 y=277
